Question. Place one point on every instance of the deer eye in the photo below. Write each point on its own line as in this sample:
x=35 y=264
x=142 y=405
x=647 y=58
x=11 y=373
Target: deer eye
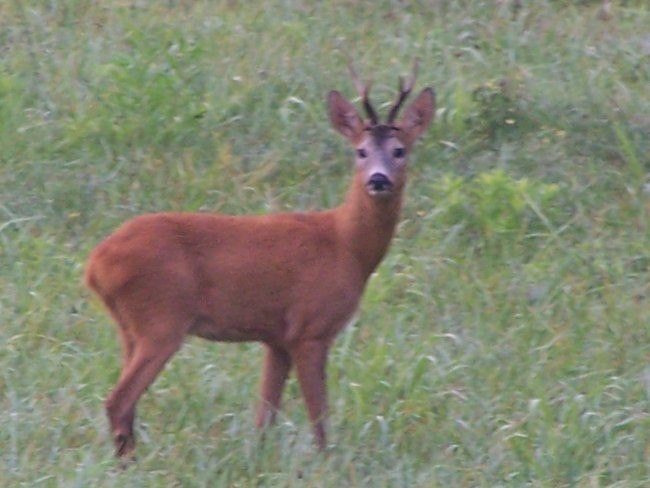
x=361 y=153
x=398 y=152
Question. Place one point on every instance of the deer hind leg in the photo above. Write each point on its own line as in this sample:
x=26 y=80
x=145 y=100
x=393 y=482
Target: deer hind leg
x=148 y=342
x=148 y=359
x=277 y=363
x=310 y=358
x=127 y=341
x=128 y=347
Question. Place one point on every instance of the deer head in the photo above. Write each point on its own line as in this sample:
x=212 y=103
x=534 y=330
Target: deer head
x=382 y=149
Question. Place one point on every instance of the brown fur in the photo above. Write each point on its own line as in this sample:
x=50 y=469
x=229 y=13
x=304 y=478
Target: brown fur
x=291 y=281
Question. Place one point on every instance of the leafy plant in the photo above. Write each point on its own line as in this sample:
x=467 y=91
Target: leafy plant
x=496 y=208
x=501 y=108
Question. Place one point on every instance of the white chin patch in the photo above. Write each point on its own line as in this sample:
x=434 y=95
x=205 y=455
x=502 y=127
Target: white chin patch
x=379 y=193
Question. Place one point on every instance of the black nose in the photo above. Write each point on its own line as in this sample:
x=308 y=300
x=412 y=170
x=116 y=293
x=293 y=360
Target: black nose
x=379 y=182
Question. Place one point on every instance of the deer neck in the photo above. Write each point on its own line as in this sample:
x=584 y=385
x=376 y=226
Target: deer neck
x=366 y=225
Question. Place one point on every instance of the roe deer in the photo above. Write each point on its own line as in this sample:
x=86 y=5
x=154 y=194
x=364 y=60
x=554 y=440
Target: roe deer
x=289 y=280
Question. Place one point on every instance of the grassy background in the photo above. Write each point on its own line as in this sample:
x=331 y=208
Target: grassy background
x=505 y=340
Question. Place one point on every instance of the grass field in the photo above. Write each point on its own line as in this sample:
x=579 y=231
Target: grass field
x=504 y=341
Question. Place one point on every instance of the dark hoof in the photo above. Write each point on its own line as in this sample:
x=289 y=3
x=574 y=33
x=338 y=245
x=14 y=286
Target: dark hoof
x=124 y=446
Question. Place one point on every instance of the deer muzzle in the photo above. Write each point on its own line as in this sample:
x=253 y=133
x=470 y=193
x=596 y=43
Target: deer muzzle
x=379 y=184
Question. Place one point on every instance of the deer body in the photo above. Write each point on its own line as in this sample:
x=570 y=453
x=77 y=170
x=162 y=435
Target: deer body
x=291 y=281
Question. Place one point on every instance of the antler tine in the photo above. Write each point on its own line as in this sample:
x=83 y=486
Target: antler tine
x=404 y=92
x=363 y=90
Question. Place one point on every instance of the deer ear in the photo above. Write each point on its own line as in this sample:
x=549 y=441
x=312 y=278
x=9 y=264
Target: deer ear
x=344 y=116
x=418 y=116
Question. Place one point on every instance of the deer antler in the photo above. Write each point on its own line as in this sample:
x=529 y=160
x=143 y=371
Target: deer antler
x=363 y=90
x=404 y=91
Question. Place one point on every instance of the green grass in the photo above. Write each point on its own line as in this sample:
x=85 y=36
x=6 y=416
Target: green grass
x=505 y=340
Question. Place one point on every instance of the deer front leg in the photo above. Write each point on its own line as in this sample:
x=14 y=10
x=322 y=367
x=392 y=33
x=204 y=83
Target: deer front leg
x=310 y=358
x=277 y=364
